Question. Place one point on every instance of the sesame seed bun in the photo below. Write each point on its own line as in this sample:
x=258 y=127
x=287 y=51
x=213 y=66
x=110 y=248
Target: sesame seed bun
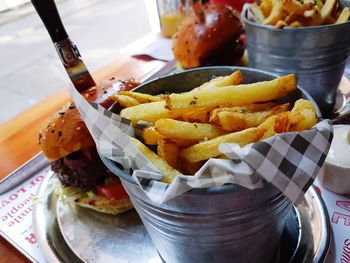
x=64 y=133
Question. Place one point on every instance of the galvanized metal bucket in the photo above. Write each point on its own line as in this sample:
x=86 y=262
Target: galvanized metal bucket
x=221 y=224
x=317 y=55
x=224 y=224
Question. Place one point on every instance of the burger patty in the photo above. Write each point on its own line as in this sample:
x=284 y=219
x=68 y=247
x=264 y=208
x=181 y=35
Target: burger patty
x=83 y=169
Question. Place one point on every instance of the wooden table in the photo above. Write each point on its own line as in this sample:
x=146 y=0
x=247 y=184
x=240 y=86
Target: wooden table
x=19 y=136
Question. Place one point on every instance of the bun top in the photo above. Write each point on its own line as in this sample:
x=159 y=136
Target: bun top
x=209 y=33
x=64 y=133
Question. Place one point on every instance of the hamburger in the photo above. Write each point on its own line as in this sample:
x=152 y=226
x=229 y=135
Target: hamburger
x=66 y=142
x=210 y=36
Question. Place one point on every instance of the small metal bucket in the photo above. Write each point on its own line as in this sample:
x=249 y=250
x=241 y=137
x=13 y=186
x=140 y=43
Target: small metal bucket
x=317 y=55
x=220 y=224
x=223 y=224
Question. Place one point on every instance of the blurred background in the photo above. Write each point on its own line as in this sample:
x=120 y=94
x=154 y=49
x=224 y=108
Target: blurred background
x=30 y=67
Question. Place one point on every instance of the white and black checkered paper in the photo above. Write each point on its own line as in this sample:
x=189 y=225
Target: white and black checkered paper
x=289 y=161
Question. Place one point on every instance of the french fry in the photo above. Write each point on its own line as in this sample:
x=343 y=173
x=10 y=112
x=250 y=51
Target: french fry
x=290 y=18
x=296 y=24
x=236 y=121
x=184 y=142
x=169 y=172
x=233 y=95
x=266 y=7
x=313 y=17
x=198 y=114
x=151 y=137
x=245 y=111
x=293 y=6
x=319 y=3
x=125 y=101
x=281 y=24
x=140 y=97
x=184 y=130
x=252 y=107
x=230 y=121
x=327 y=8
x=258 y=14
x=148 y=112
x=168 y=150
x=209 y=149
x=276 y=13
x=276 y=124
x=154 y=111
x=304 y=115
x=234 y=78
x=344 y=16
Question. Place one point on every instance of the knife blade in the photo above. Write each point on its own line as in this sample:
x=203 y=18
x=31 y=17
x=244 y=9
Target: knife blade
x=66 y=49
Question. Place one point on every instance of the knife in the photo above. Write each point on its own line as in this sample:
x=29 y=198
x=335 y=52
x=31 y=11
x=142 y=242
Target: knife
x=66 y=49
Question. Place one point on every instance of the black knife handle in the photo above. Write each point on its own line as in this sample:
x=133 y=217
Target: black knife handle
x=48 y=13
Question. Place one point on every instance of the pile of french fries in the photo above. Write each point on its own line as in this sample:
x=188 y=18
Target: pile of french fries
x=187 y=128
x=299 y=13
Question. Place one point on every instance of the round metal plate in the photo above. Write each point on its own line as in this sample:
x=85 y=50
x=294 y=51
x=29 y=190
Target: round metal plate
x=67 y=233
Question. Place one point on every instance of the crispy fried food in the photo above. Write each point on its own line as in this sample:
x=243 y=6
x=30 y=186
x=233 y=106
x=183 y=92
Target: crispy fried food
x=198 y=114
x=344 y=16
x=276 y=13
x=299 y=13
x=233 y=79
x=258 y=13
x=125 y=101
x=168 y=150
x=313 y=17
x=266 y=7
x=210 y=149
x=304 y=115
x=328 y=8
x=155 y=109
x=184 y=130
x=234 y=95
x=294 y=7
x=231 y=120
x=140 y=97
x=151 y=137
x=252 y=107
x=227 y=113
x=150 y=112
x=169 y=172
x=281 y=24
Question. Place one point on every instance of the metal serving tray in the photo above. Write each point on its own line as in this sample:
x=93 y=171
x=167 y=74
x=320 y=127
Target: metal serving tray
x=67 y=233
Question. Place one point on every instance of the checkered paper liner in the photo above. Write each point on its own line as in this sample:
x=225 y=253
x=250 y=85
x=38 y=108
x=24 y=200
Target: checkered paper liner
x=289 y=161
